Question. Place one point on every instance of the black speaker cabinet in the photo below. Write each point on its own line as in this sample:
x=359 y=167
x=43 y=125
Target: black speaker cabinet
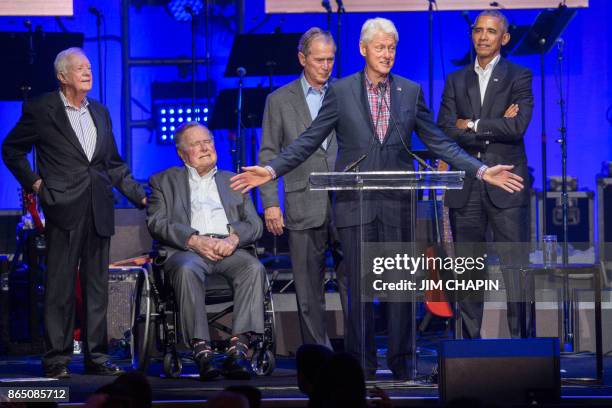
x=604 y=221
x=580 y=219
x=507 y=371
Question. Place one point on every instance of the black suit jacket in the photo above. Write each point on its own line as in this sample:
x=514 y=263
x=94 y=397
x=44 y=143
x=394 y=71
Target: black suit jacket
x=346 y=110
x=70 y=181
x=509 y=83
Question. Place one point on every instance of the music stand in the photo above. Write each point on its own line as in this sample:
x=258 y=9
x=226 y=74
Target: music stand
x=265 y=55
x=225 y=107
x=28 y=68
x=540 y=38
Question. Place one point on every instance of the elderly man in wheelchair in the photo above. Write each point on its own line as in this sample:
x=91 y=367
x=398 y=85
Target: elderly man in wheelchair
x=204 y=226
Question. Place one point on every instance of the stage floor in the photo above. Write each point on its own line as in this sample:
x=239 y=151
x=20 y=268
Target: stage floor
x=279 y=389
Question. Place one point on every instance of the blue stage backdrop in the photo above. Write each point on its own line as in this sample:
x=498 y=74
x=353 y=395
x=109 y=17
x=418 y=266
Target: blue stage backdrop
x=155 y=33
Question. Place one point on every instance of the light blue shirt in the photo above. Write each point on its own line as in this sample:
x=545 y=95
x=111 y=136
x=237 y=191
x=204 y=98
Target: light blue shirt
x=314 y=100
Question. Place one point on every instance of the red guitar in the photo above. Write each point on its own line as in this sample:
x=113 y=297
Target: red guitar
x=29 y=201
x=436 y=302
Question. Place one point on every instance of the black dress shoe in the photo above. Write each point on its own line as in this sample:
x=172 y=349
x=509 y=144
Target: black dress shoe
x=58 y=371
x=205 y=366
x=235 y=368
x=106 y=368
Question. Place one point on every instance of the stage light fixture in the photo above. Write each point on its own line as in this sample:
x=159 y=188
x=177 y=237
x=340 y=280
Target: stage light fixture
x=169 y=116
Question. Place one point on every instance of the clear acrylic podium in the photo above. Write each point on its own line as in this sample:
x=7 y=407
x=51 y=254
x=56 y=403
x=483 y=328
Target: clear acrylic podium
x=380 y=182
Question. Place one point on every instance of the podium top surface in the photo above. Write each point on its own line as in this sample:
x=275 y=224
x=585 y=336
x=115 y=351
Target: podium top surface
x=387 y=180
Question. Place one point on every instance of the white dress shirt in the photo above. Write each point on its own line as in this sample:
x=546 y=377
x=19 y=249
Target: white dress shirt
x=207 y=212
x=484 y=75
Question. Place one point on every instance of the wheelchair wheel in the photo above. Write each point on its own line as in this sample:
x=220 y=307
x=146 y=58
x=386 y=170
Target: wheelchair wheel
x=172 y=365
x=263 y=362
x=142 y=330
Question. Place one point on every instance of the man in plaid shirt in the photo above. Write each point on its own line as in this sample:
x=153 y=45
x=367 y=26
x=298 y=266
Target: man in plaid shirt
x=374 y=114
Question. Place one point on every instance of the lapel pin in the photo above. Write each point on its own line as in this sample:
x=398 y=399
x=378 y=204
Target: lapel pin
x=495 y=80
x=399 y=89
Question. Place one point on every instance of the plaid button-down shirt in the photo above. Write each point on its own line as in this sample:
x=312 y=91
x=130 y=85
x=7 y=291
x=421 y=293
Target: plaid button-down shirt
x=379 y=107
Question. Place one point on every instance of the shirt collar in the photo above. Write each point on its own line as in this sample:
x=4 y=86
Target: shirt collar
x=67 y=104
x=306 y=87
x=193 y=173
x=370 y=84
x=490 y=66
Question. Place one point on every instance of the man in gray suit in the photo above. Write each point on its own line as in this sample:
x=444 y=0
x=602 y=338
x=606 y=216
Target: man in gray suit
x=203 y=226
x=288 y=113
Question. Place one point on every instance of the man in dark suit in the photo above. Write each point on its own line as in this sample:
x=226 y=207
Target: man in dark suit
x=373 y=114
x=486 y=108
x=289 y=111
x=203 y=225
x=77 y=167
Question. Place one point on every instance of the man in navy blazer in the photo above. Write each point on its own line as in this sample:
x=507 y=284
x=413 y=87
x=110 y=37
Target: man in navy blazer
x=77 y=166
x=486 y=107
x=373 y=114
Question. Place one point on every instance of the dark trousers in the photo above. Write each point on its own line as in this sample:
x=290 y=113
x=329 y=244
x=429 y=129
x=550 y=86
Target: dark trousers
x=308 y=249
x=359 y=330
x=510 y=229
x=83 y=249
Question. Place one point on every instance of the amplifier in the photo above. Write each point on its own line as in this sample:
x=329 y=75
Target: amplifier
x=604 y=221
x=121 y=288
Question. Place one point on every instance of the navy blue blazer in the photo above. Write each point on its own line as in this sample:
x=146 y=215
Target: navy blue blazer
x=345 y=109
x=499 y=140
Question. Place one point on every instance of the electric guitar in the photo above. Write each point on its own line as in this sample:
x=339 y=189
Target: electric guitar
x=435 y=300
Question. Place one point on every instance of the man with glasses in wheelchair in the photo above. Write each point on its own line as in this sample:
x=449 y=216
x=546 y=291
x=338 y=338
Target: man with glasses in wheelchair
x=204 y=225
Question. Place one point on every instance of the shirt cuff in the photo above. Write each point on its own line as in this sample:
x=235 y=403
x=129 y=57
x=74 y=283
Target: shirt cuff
x=476 y=125
x=481 y=171
x=271 y=171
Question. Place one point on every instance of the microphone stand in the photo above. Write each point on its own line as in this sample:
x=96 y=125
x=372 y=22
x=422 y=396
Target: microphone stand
x=431 y=53
x=563 y=142
x=340 y=11
x=100 y=63
x=327 y=6
x=542 y=43
x=422 y=162
x=239 y=145
x=191 y=12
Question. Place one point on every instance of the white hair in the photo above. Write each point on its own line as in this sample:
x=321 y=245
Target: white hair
x=376 y=25
x=61 y=61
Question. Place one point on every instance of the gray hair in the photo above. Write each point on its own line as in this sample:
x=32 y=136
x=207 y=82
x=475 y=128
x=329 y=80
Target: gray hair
x=180 y=131
x=496 y=14
x=61 y=61
x=312 y=34
x=377 y=25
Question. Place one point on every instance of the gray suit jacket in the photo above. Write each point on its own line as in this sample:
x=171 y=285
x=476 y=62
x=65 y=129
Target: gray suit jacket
x=169 y=210
x=286 y=117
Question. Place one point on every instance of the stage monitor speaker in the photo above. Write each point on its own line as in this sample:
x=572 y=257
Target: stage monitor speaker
x=121 y=288
x=508 y=371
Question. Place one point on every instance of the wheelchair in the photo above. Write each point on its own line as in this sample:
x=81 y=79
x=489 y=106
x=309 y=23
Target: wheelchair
x=154 y=320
